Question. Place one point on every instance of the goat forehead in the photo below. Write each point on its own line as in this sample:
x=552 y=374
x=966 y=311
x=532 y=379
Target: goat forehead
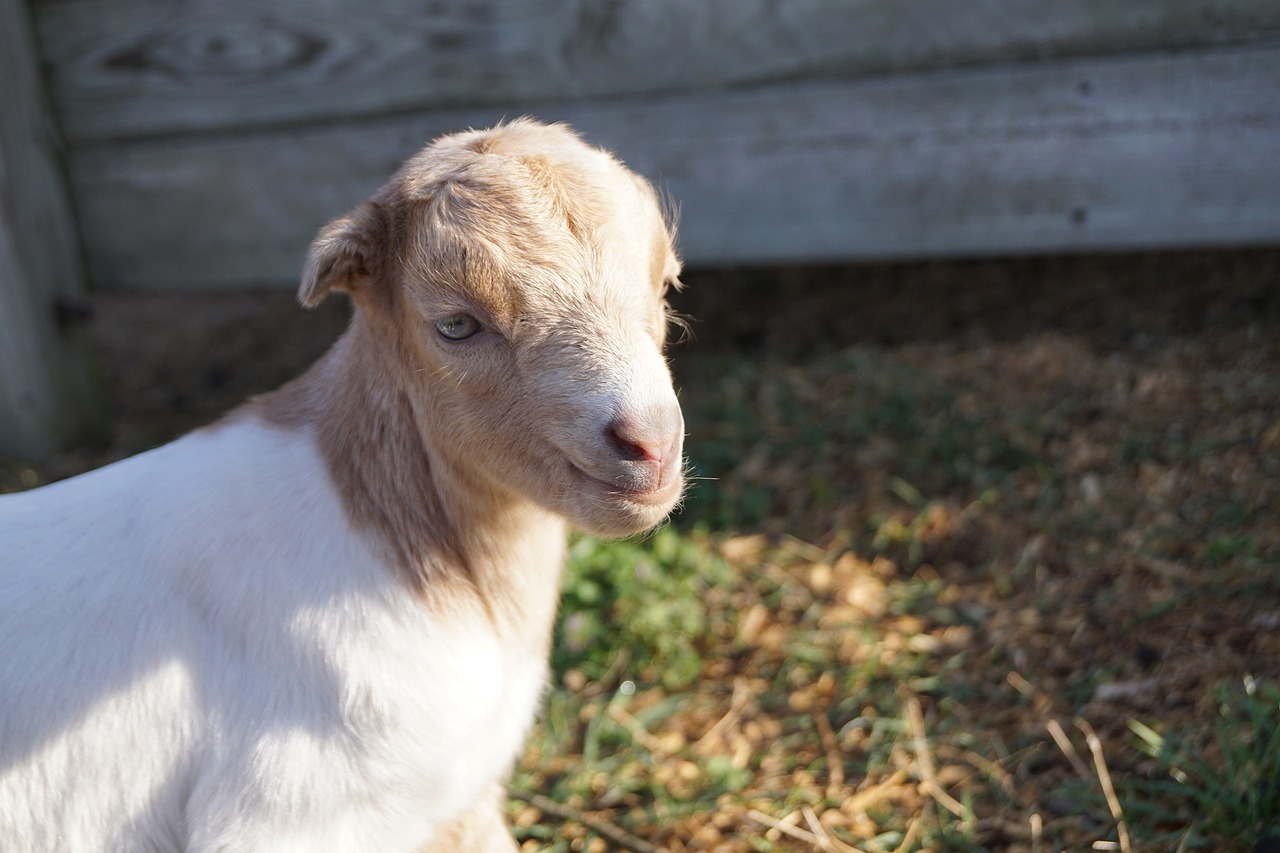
x=509 y=283
x=602 y=311
x=512 y=267
x=534 y=228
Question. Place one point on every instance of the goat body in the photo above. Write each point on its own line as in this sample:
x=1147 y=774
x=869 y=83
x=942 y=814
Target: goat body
x=323 y=622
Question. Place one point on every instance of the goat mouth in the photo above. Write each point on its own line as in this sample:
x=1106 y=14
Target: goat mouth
x=665 y=493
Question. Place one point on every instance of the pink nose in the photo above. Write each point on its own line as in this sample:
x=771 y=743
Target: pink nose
x=643 y=442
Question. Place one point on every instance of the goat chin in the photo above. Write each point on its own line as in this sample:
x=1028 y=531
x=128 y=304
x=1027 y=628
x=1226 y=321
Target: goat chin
x=323 y=622
x=618 y=511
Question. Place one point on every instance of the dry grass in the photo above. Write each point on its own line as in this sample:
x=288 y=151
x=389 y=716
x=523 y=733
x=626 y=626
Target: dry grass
x=969 y=528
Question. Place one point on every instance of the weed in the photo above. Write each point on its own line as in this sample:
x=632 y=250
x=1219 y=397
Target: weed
x=1226 y=547
x=1223 y=797
x=646 y=597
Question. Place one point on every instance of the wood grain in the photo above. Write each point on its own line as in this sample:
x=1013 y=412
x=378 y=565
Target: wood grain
x=47 y=393
x=129 y=68
x=1149 y=151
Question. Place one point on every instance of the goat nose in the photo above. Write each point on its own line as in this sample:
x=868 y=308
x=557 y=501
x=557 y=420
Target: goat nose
x=641 y=442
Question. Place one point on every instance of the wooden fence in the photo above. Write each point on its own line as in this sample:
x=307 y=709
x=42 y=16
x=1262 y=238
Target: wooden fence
x=47 y=392
x=208 y=141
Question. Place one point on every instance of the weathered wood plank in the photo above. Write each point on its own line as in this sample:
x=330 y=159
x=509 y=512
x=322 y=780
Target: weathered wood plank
x=1177 y=150
x=47 y=394
x=124 y=68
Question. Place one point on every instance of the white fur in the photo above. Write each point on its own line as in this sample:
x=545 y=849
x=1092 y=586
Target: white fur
x=235 y=663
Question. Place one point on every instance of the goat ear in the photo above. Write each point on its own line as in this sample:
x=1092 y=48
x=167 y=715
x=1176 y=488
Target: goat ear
x=340 y=256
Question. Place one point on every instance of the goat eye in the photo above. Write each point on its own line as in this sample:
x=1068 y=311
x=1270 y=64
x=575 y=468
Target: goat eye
x=457 y=327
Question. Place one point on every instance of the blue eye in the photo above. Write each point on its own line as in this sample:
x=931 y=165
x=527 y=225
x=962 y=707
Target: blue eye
x=457 y=327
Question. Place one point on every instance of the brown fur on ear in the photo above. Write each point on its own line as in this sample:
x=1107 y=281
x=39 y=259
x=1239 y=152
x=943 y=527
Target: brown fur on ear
x=341 y=255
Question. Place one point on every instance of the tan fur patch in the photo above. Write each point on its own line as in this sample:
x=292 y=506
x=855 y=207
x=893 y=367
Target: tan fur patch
x=516 y=226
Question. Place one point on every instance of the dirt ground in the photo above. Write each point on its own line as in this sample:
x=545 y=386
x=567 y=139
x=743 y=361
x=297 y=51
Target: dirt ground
x=1082 y=453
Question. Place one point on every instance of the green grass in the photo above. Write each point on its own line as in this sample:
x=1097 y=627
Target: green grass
x=770 y=424
x=1223 y=795
x=647 y=647
x=639 y=608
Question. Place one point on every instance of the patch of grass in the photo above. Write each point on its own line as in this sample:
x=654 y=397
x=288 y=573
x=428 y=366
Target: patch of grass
x=1226 y=547
x=651 y=599
x=779 y=442
x=1222 y=796
x=806 y=664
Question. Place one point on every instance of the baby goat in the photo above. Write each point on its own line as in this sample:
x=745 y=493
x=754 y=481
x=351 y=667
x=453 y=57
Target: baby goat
x=322 y=623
